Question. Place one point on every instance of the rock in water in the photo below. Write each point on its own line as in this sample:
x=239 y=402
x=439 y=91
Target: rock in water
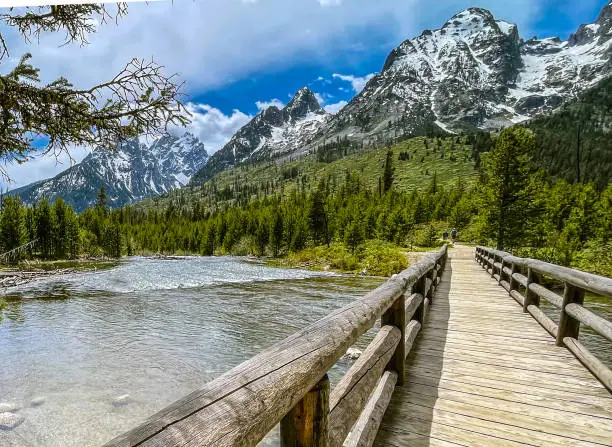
x=352 y=354
x=122 y=400
x=8 y=407
x=9 y=421
x=37 y=401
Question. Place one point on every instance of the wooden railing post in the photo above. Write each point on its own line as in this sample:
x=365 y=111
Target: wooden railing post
x=501 y=271
x=306 y=424
x=419 y=287
x=530 y=296
x=396 y=316
x=569 y=326
x=511 y=281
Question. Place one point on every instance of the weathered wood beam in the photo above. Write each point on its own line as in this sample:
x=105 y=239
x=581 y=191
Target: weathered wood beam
x=365 y=429
x=592 y=363
x=543 y=319
x=349 y=397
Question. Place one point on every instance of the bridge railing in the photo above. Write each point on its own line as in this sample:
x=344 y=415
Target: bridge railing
x=525 y=280
x=288 y=382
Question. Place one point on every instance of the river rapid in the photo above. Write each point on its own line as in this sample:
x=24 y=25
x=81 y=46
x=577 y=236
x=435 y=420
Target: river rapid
x=87 y=356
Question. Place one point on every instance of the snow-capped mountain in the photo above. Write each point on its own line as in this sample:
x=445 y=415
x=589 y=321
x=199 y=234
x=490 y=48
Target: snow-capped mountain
x=272 y=133
x=474 y=72
x=132 y=172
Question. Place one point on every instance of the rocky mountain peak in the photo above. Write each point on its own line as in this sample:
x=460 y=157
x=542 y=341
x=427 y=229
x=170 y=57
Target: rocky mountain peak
x=303 y=103
x=134 y=170
x=605 y=15
x=600 y=30
x=471 y=17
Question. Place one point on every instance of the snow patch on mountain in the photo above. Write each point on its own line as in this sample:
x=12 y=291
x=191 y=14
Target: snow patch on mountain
x=134 y=170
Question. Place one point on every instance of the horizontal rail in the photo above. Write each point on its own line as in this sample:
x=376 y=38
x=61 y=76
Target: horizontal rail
x=240 y=407
x=573 y=313
x=595 y=322
x=599 y=285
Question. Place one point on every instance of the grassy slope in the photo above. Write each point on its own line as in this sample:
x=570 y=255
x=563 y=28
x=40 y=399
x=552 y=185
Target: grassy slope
x=412 y=174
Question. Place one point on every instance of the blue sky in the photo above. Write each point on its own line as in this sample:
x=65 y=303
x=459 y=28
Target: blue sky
x=364 y=51
x=237 y=56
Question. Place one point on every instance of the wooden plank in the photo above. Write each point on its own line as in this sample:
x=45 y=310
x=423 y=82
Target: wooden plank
x=559 y=367
x=350 y=395
x=445 y=413
x=393 y=439
x=546 y=389
x=548 y=364
x=587 y=386
x=412 y=304
x=493 y=367
x=403 y=433
x=598 y=407
x=491 y=348
x=504 y=411
x=365 y=429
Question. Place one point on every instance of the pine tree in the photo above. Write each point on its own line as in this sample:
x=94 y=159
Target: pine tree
x=44 y=229
x=276 y=233
x=507 y=169
x=317 y=215
x=12 y=225
x=102 y=202
x=388 y=172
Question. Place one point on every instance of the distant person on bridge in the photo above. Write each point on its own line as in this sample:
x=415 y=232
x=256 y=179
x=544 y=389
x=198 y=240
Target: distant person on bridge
x=445 y=235
x=453 y=235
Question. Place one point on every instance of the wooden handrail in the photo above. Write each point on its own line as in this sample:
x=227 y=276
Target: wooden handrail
x=240 y=407
x=573 y=313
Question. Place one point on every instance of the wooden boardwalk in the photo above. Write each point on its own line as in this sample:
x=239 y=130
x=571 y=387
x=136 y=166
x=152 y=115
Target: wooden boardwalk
x=483 y=373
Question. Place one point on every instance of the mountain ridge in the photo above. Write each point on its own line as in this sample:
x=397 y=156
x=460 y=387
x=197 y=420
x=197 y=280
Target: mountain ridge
x=271 y=133
x=130 y=173
x=473 y=73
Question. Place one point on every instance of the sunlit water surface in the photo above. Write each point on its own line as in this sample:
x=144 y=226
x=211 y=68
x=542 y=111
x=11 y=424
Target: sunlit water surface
x=154 y=330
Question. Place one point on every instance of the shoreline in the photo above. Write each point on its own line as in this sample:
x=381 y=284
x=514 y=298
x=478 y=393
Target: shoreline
x=30 y=271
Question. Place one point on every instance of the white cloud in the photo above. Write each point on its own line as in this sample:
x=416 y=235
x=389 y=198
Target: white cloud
x=212 y=126
x=263 y=105
x=335 y=108
x=357 y=82
x=320 y=98
x=211 y=43
x=41 y=167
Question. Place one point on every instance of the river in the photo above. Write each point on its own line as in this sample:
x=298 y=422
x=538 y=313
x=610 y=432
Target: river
x=85 y=357
x=153 y=330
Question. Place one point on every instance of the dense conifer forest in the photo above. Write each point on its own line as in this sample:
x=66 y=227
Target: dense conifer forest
x=349 y=224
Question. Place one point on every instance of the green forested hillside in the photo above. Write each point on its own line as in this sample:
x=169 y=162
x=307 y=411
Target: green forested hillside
x=415 y=162
x=574 y=142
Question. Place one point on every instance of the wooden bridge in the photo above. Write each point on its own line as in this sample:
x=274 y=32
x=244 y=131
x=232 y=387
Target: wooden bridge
x=456 y=362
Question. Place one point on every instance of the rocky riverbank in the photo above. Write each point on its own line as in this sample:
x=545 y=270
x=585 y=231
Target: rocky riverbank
x=18 y=278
